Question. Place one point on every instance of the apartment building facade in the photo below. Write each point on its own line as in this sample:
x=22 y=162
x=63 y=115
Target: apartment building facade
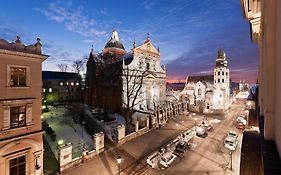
x=21 y=144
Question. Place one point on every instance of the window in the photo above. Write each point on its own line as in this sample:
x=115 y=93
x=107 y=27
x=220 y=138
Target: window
x=218 y=80
x=222 y=80
x=61 y=83
x=222 y=72
x=77 y=83
x=72 y=83
x=50 y=90
x=44 y=90
x=17 y=166
x=147 y=66
x=17 y=116
x=219 y=73
x=226 y=73
x=199 y=91
x=18 y=76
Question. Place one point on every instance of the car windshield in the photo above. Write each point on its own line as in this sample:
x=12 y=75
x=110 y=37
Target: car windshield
x=229 y=142
x=232 y=134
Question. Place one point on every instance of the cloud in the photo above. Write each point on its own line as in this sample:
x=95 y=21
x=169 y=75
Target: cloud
x=74 y=19
x=148 y=4
x=104 y=12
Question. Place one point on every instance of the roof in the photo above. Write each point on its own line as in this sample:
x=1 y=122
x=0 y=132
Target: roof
x=19 y=47
x=53 y=75
x=114 y=41
x=202 y=78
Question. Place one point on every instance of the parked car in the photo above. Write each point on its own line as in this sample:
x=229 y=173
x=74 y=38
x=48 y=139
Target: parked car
x=239 y=125
x=181 y=147
x=232 y=134
x=200 y=131
x=206 y=125
x=167 y=159
x=230 y=143
x=241 y=119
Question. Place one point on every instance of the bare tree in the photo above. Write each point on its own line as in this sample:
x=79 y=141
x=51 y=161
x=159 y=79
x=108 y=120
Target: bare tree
x=132 y=91
x=63 y=68
x=79 y=67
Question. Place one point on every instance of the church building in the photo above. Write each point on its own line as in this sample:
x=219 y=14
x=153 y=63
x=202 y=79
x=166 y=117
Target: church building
x=210 y=91
x=119 y=79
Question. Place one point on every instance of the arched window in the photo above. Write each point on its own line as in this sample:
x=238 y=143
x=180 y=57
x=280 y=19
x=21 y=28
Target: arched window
x=147 y=66
x=199 y=91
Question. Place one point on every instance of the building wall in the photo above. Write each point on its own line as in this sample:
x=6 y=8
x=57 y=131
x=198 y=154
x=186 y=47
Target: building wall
x=265 y=21
x=153 y=91
x=27 y=139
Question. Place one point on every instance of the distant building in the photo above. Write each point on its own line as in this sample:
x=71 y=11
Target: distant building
x=114 y=72
x=210 y=91
x=57 y=84
x=21 y=144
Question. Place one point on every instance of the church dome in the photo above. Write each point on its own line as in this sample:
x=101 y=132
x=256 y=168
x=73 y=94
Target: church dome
x=114 y=42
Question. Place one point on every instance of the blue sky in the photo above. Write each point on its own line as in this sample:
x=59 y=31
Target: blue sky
x=188 y=32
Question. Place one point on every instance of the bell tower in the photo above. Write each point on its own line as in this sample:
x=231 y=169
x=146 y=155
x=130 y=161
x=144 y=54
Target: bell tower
x=221 y=81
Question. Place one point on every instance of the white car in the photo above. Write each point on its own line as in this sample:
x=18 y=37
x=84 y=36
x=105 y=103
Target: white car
x=167 y=159
x=206 y=125
x=232 y=134
x=242 y=120
x=200 y=131
x=230 y=143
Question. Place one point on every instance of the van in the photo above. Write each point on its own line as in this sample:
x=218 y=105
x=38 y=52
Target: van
x=167 y=159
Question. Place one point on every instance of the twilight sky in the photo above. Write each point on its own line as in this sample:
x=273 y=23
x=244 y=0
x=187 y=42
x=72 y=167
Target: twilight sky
x=188 y=32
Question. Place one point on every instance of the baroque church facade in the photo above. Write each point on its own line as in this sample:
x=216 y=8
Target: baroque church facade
x=118 y=79
x=210 y=91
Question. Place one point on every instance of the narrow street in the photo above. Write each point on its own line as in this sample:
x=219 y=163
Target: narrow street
x=207 y=155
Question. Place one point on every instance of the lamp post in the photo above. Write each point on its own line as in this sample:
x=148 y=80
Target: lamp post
x=230 y=160
x=119 y=160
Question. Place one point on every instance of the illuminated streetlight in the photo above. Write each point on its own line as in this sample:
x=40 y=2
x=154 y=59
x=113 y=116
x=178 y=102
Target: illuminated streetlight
x=119 y=160
x=60 y=142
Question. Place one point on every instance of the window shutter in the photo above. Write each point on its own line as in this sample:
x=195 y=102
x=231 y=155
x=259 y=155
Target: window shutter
x=6 y=119
x=29 y=114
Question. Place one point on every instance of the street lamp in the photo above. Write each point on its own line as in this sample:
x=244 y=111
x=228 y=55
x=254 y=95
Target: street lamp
x=230 y=160
x=119 y=160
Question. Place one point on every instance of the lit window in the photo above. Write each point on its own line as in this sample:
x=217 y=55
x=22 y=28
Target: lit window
x=77 y=83
x=44 y=90
x=61 y=83
x=17 y=166
x=18 y=76
x=66 y=83
x=50 y=90
x=72 y=83
x=17 y=115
